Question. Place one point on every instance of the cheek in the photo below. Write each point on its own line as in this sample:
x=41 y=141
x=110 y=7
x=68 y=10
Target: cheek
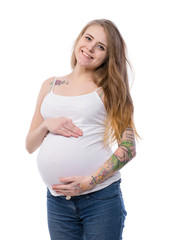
x=102 y=58
x=79 y=44
x=76 y=52
x=77 y=49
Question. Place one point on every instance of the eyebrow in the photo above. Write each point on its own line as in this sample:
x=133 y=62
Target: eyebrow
x=93 y=38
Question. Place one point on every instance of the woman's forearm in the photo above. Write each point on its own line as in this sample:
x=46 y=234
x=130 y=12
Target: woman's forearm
x=125 y=152
x=35 y=138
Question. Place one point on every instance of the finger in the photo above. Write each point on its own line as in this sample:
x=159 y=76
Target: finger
x=73 y=128
x=67 y=133
x=61 y=187
x=67 y=180
x=66 y=193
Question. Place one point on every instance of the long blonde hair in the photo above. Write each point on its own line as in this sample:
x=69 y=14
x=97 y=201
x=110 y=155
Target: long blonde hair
x=112 y=76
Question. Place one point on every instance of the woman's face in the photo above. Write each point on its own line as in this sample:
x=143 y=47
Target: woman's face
x=91 y=49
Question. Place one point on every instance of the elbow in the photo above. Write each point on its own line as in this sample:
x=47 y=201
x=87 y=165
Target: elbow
x=29 y=150
x=28 y=147
x=133 y=153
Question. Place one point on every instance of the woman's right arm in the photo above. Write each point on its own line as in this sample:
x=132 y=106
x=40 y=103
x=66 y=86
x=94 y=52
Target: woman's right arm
x=40 y=127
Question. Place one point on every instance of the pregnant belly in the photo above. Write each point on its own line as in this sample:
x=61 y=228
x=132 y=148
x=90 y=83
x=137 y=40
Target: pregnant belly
x=64 y=157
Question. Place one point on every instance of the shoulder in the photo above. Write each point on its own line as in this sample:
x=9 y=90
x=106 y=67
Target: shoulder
x=45 y=88
x=48 y=82
x=46 y=85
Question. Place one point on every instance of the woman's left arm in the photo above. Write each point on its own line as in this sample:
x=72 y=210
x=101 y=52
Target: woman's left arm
x=125 y=152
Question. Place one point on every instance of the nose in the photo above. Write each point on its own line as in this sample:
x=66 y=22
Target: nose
x=91 y=47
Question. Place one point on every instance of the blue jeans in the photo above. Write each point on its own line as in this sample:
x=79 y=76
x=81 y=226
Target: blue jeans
x=94 y=216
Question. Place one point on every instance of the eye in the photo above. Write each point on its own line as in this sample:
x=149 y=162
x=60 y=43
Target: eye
x=101 y=47
x=88 y=38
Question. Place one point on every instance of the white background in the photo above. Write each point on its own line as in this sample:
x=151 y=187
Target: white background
x=35 y=44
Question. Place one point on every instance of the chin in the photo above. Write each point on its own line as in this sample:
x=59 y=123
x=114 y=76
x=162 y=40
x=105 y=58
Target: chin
x=88 y=67
x=84 y=64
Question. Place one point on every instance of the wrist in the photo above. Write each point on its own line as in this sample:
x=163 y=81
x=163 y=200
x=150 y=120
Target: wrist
x=44 y=127
x=91 y=182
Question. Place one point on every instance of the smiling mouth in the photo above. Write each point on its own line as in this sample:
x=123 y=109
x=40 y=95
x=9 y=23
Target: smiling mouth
x=85 y=54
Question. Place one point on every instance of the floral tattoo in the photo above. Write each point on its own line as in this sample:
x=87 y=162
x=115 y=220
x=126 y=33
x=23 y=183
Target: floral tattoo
x=59 y=82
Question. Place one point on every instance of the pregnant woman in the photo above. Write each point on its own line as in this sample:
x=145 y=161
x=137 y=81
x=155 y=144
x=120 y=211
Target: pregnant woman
x=77 y=119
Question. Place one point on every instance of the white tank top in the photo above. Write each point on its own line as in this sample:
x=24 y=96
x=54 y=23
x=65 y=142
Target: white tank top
x=61 y=156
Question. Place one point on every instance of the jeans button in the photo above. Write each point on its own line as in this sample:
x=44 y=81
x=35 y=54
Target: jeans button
x=68 y=197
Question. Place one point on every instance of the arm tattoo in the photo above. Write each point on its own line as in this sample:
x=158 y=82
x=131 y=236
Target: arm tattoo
x=125 y=152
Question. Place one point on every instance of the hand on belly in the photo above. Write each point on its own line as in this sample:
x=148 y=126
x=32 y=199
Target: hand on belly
x=72 y=186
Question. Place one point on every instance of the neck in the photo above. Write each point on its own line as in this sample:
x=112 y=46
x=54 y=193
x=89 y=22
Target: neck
x=82 y=74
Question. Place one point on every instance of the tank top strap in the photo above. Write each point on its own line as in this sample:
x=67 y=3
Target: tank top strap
x=98 y=89
x=53 y=84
